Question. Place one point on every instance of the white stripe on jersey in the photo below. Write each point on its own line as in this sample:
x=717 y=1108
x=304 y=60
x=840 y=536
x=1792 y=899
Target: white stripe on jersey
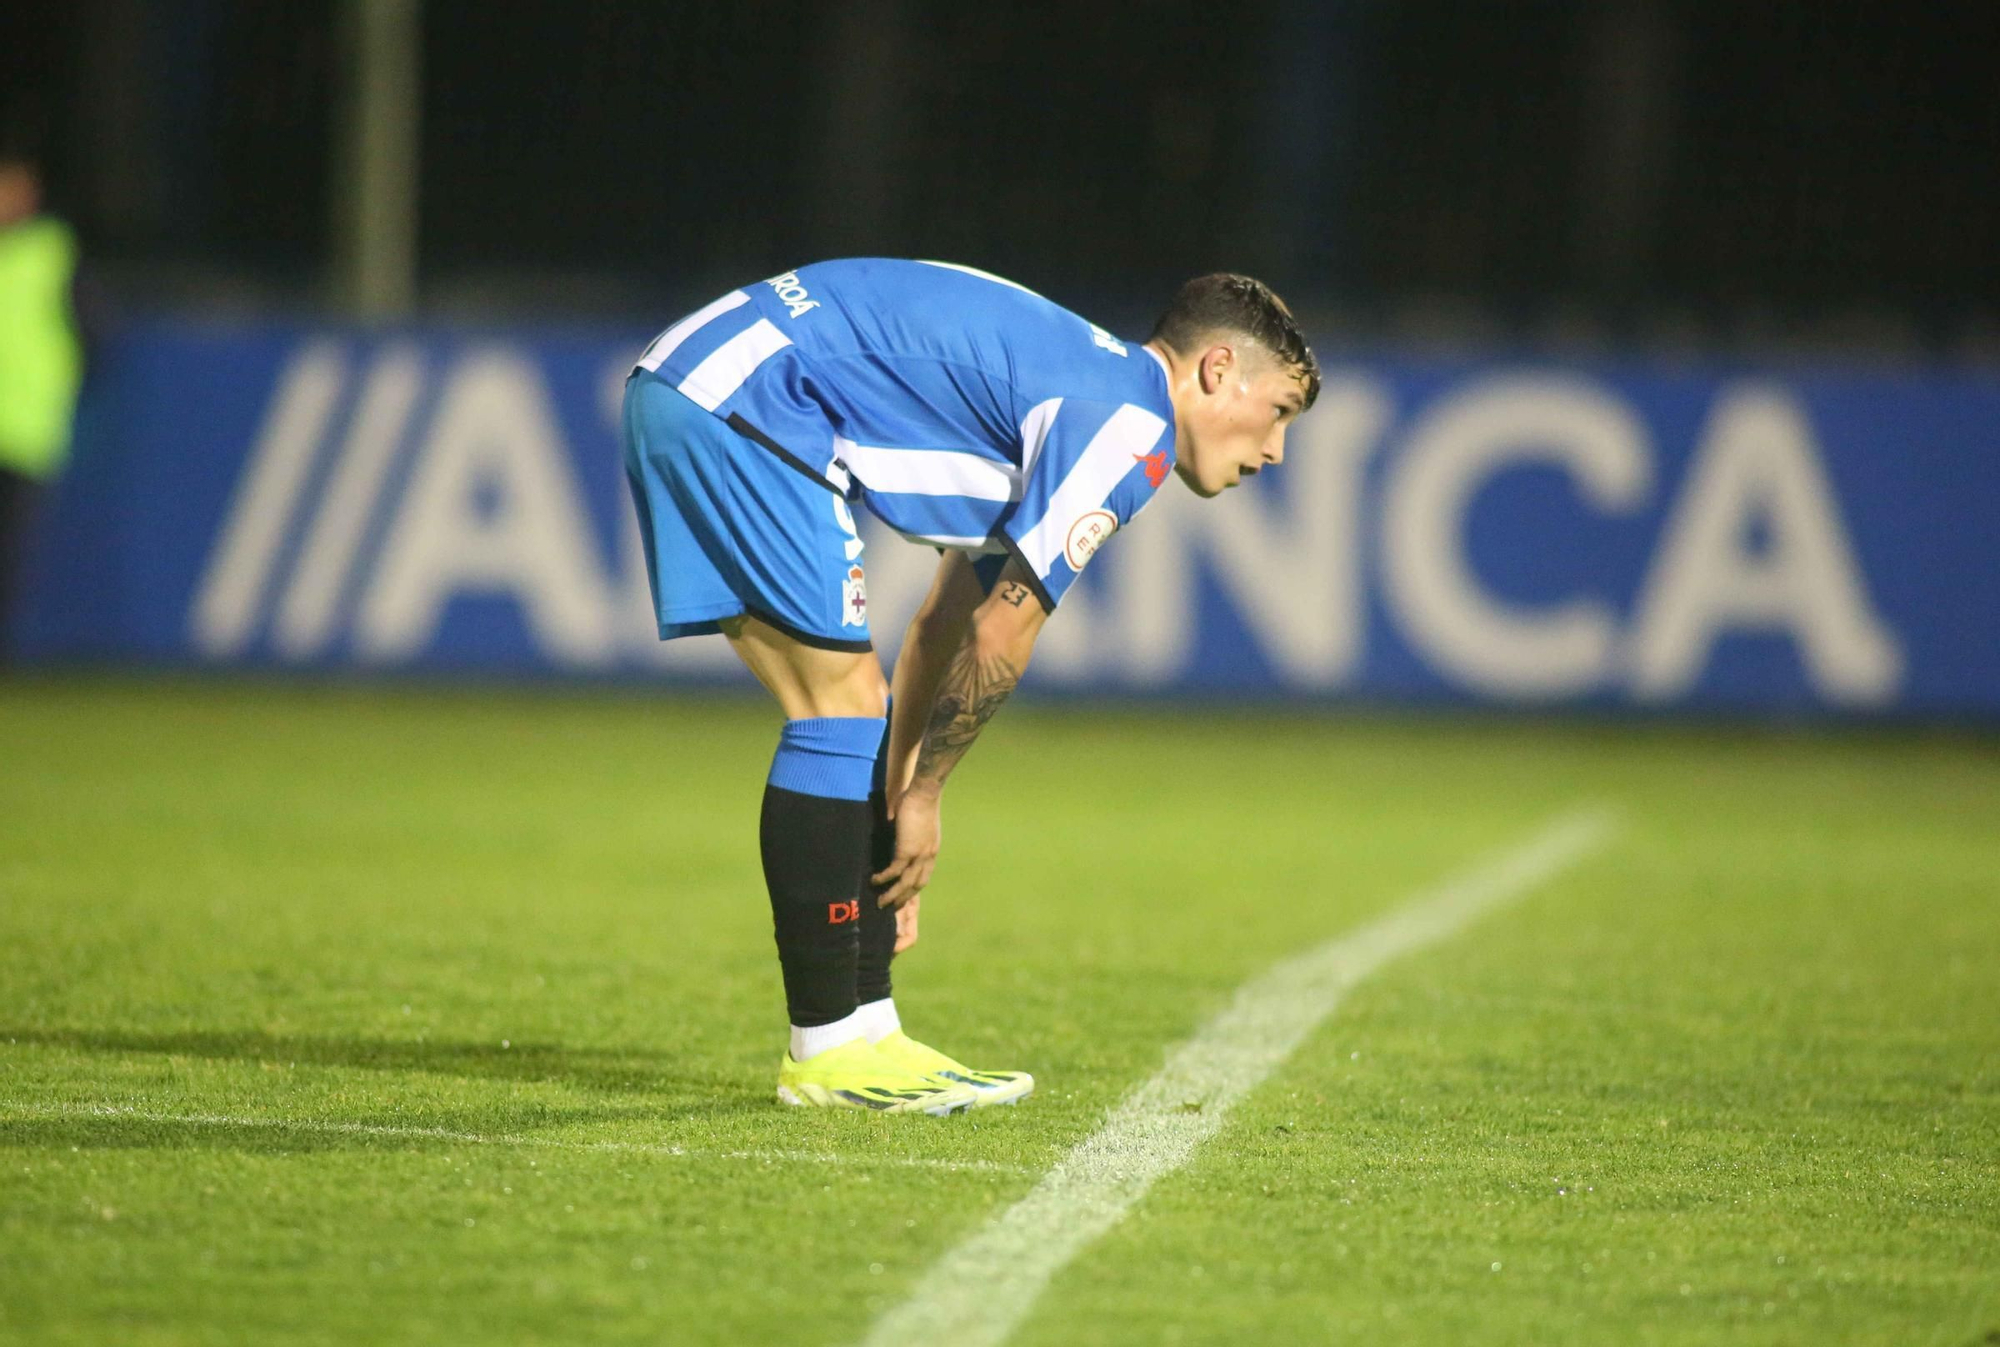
x=1113 y=451
x=982 y=275
x=709 y=384
x=980 y=545
x=929 y=472
x=1035 y=427
x=669 y=341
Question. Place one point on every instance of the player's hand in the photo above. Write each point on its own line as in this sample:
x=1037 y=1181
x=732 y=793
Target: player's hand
x=906 y=924
x=917 y=836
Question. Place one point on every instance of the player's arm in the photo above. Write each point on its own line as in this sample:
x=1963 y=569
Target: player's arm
x=933 y=639
x=982 y=673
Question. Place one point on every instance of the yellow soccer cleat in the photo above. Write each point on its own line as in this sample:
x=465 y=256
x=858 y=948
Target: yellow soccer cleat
x=991 y=1087
x=855 y=1075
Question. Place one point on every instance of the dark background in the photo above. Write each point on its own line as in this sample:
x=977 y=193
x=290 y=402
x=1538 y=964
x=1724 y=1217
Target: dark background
x=1683 y=172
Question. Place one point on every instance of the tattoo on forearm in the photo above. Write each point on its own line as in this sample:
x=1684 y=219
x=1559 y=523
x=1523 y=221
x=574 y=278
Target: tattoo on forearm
x=972 y=690
x=1016 y=594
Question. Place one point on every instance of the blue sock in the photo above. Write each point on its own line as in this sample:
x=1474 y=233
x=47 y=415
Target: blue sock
x=829 y=756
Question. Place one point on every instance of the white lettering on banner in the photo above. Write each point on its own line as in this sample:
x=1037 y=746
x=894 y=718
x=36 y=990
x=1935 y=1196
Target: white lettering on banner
x=226 y=608
x=611 y=390
x=1460 y=444
x=1292 y=566
x=1753 y=542
x=1757 y=463
x=311 y=606
x=494 y=434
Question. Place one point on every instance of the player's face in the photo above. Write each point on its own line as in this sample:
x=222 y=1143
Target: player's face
x=1236 y=424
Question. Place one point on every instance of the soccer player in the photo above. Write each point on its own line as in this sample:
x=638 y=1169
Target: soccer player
x=966 y=413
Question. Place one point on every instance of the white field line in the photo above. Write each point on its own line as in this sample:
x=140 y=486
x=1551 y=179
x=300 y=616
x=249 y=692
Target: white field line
x=11 y=1110
x=980 y=1291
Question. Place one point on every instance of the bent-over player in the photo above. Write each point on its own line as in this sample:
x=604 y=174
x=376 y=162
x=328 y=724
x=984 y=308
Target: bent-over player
x=966 y=413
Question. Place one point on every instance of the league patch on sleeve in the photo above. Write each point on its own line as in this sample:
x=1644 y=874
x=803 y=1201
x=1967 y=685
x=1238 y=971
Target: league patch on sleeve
x=1086 y=535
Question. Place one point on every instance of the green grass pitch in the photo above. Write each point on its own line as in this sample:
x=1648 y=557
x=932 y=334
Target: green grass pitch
x=415 y=1017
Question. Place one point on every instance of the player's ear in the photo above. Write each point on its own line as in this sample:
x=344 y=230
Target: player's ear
x=1216 y=364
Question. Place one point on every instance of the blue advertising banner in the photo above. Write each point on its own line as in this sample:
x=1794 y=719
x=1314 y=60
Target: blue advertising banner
x=1492 y=531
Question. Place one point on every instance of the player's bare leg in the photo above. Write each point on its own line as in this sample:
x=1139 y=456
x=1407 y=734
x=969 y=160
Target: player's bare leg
x=809 y=682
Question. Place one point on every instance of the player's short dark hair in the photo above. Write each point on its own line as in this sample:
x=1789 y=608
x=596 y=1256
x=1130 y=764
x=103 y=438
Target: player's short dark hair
x=1243 y=306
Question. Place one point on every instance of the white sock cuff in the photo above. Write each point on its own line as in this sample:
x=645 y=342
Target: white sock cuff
x=811 y=1042
x=879 y=1019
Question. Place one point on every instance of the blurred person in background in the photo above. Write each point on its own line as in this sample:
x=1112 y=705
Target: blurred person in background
x=41 y=358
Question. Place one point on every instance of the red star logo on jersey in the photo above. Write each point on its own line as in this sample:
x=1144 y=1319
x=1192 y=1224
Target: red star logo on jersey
x=1156 y=466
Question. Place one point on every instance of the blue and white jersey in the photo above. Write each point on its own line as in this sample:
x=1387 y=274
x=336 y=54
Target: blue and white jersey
x=962 y=409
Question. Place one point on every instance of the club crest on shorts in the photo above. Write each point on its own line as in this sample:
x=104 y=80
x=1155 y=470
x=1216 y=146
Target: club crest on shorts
x=1086 y=535
x=854 y=599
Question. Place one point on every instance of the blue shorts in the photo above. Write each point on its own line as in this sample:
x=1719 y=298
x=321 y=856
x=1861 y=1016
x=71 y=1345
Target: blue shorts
x=731 y=528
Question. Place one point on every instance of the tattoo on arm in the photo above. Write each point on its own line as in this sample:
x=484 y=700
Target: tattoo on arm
x=1014 y=593
x=971 y=692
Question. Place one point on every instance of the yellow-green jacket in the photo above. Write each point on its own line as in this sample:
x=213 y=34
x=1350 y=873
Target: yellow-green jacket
x=41 y=360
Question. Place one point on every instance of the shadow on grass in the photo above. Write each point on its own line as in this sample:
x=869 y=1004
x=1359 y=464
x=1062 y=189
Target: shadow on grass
x=679 y=1090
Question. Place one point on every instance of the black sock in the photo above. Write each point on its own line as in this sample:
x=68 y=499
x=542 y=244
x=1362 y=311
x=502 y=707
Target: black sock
x=878 y=924
x=814 y=837
x=814 y=848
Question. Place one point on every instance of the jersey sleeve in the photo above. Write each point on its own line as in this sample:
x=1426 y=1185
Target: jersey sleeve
x=1086 y=469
